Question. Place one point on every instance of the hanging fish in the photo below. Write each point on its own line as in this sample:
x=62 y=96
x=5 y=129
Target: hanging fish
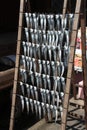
x=36 y=36
x=44 y=66
x=26 y=34
x=63 y=83
x=22 y=102
x=24 y=48
x=44 y=21
x=39 y=109
x=22 y=88
x=57 y=20
x=27 y=19
x=27 y=104
x=32 y=35
x=36 y=93
x=34 y=21
x=48 y=112
x=48 y=82
x=48 y=96
x=23 y=61
x=48 y=67
x=37 y=79
x=34 y=64
x=40 y=66
x=41 y=21
x=31 y=104
x=36 y=107
x=30 y=20
x=53 y=97
x=32 y=91
x=28 y=90
x=43 y=108
x=32 y=77
x=44 y=81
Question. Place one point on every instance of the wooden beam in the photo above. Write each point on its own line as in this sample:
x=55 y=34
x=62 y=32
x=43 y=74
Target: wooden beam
x=70 y=64
x=65 y=7
x=21 y=11
x=84 y=63
x=6 y=78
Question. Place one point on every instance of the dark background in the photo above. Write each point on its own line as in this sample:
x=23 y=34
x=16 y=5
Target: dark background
x=9 y=11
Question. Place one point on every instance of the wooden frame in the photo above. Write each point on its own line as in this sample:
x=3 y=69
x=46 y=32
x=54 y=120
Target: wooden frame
x=70 y=64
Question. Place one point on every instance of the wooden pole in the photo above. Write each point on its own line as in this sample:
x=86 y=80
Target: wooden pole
x=84 y=63
x=65 y=7
x=16 y=65
x=70 y=64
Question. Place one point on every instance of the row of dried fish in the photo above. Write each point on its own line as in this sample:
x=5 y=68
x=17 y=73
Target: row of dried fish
x=47 y=37
x=48 y=21
x=46 y=52
x=41 y=80
x=42 y=66
x=40 y=109
x=40 y=94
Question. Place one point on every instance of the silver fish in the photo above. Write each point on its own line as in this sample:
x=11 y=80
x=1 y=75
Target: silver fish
x=44 y=22
x=31 y=104
x=57 y=22
x=22 y=87
x=48 y=68
x=44 y=81
x=27 y=34
x=30 y=20
x=53 y=97
x=28 y=49
x=28 y=90
x=41 y=21
x=49 y=52
x=27 y=19
x=32 y=77
x=48 y=96
x=23 y=61
x=48 y=112
x=27 y=104
x=44 y=66
x=40 y=66
x=32 y=35
x=36 y=107
x=63 y=83
x=34 y=64
x=22 y=102
x=32 y=91
x=24 y=48
x=36 y=93
x=48 y=82
x=39 y=109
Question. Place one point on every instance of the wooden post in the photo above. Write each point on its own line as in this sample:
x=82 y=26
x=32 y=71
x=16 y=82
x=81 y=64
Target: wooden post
x=70 y=64
x=65 y=6
x=16 y=65
x=84 y=63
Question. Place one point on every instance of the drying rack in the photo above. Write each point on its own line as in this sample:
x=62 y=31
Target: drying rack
x=79 y=14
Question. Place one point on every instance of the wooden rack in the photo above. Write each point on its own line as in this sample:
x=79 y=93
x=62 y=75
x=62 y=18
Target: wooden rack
x=79 y=4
